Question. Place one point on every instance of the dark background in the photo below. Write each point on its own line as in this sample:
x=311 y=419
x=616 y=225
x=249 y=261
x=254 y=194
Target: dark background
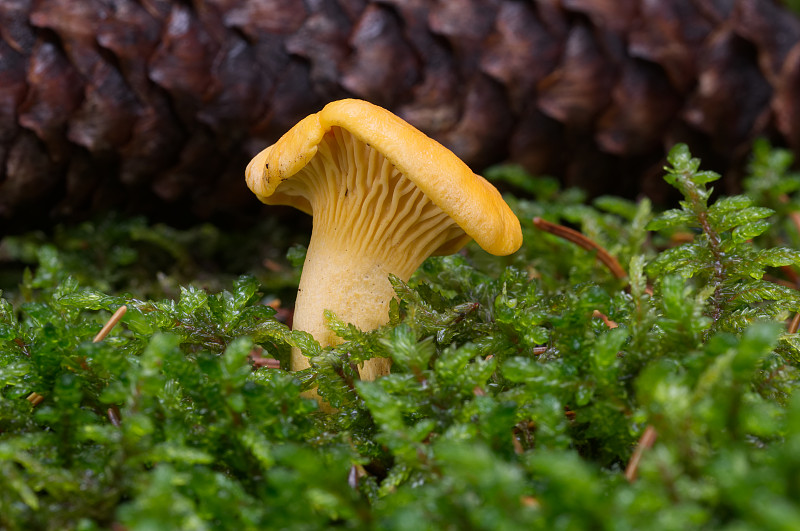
x=154 y=107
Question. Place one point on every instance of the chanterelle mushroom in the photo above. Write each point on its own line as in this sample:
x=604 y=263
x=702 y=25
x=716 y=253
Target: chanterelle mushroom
x=384 y=197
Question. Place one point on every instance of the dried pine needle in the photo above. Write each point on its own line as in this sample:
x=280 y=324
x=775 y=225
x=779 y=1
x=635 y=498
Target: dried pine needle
x=579 y=239
x=112 y=322
x=35 y=398
x=645 y=442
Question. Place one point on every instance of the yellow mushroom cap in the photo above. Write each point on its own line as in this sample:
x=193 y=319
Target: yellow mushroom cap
x=471 y=201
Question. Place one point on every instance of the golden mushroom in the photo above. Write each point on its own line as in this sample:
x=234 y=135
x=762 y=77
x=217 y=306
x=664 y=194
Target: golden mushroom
x=383 y=197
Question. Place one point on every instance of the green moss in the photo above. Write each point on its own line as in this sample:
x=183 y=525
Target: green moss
x=514 y=401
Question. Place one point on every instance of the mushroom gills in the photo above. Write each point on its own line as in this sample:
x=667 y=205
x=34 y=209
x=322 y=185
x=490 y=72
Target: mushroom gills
x=374 y=205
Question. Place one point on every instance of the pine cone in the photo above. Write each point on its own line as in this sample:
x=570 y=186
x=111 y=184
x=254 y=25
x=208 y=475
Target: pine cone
x=155 y=106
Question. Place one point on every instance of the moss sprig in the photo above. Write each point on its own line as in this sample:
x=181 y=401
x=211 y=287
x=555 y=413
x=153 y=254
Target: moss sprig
x=721 y=258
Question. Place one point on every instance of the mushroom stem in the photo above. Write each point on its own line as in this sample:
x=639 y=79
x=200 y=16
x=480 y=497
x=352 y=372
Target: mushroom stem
x=351 y=279
x=356 y=291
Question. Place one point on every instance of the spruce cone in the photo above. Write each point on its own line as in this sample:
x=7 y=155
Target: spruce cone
x=155 y=106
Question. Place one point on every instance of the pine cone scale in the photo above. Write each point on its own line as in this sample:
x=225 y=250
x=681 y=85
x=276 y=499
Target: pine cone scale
x=148 y=104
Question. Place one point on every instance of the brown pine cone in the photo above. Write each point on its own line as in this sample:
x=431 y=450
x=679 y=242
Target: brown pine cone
x=155 y=106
